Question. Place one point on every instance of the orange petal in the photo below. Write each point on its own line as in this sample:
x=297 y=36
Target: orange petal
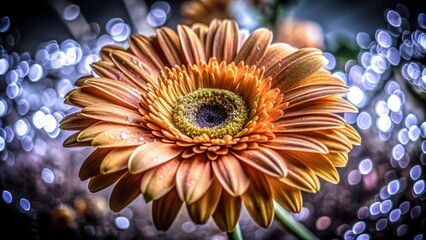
x=71 y=141
x=231 y=175
x=193 y=178
x=136 y=70
x=258 y=199
x=142 y=47
x=227 y=212
x=121 y=136
x=333 y=104
x=309 y=122
x=288 y=197
x=165 y=210
x=301 y=95
x=93 y=131
x=201 y=210
x=76 y=121
x=125 y=191
x=338 y=159
x=159 y=180
x=110 y=70
x=112 y=113
x=169 y=42
x=151 y=155
x=201 y=31
x=332 y=138
x=272 y=61
x=213 y=26
x=297 y=66
x=263 y=159
x=107 y=50
x=302 y=177
x=317 y=162
x=116 y=160
x=253 y=50
x=117 y=90
x=191 y=46
x=92 y=165
x=87 y=95
x=226 y=41
x=351 y=134
x=101 y=181
x=296 y=142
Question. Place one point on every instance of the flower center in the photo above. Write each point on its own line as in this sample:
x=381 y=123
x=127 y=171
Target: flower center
x=211 y=115
x=215 y=112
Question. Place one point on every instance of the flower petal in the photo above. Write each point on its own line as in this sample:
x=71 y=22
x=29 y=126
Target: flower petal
x=143 y=48
x=191 y=46
x=158 y=181
x=101 y=181
x=309 y=122
x=125 y=191
x=351 y=134
x=193 y=178
x=301 y=176
x=317 y=162
x=297 y=66
x=151 y=155
x=272 y=61
x=117 y=90
x=110 y=70
x=332 y=138
x=263 y=159
x=71 y=141
x=258 y=199
x=231 y=174
x=227 y=212
x=226 y=41
x=116 y=160
x=332 y=104
x=169 y=42
x=93 y=131
x=296 y=142
x=87 y=95
x=253 y=50
x=201 y=210
x=136 y=70
x=339 y=159
x=121 y=136
x=92 y=165
x=303 y=94
x=165 y=210
x=112 y=113
x=76 y=121
x=106 y=51
x=288 y=197
x=201 y=30
x=213 y=26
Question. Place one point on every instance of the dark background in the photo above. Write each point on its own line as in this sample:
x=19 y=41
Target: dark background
x=37 y=21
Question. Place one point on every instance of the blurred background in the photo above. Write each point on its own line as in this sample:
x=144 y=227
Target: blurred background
x=377 y=47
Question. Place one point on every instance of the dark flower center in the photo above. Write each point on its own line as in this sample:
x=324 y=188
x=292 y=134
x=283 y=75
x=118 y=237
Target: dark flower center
x=211 y=115
x=215 y=112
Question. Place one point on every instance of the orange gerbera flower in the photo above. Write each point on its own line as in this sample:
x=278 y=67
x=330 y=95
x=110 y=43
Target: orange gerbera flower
x=208 y=119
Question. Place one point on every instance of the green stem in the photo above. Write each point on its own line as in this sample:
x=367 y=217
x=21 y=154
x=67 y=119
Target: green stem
x=288 y=221
x=236 y=234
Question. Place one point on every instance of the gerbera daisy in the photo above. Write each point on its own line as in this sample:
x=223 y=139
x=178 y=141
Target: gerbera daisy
x=210 y=120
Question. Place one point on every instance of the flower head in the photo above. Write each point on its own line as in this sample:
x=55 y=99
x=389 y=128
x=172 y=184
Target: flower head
x=208 y=119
